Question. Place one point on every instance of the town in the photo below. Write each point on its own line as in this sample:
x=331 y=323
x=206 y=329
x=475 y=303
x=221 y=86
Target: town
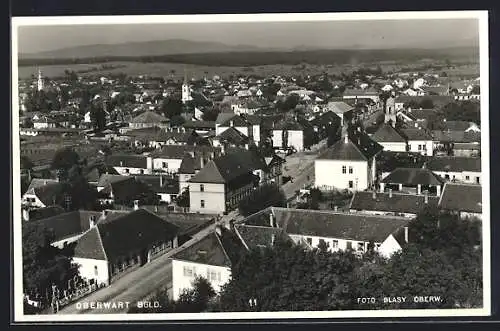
x=250 y=193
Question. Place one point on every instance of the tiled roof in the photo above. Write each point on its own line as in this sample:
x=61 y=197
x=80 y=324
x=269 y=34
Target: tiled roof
x=163 y=185
x=398 y=203
x=107 y=179
x=132 y=232
x=417 y=134
x=66 y=225
x=386 y=133
x=212 y=250
x=413 y=176
x=90 y=246
x=457 y=125
x=461 y=197
x=456 y=136
x=234 y=136
x=46 y=212
x=330 y=224
x=179 y=151
x=354 y=149
x=129 y=161
x=258 y=236
x=199 y=125
x=125 y=191
x=50 y=193
x=454 y=163
x=359 y=92
x=339 y=107
x=39 y=182
x=190 y=164
x=149 y=117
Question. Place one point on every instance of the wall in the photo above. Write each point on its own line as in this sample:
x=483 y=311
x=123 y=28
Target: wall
x=133 y=171
x=428 y=145
x=295 y=139
x=460 y=176
x=256 y=134
x=213 y=195
x=387 y=213
x=329 y=173
x=183 y=181
x=181 y=281
x=393 y=147
x=87 y=269
x=465 y=215
x=37 y=203
x=219 y=129
x=172 y=165
x=340 y=246
x=389 y=247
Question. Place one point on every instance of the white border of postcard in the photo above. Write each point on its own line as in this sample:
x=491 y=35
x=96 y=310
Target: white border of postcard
x=482 y=17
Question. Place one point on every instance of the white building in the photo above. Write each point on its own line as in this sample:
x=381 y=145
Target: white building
x=457 y=169
x=390 y=139
x=290 y=136
x=348 y=164
x=419 y=141
x=41 y=193
x=131 y=164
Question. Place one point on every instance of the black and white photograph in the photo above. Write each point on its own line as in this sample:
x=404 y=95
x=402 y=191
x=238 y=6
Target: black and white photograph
x=251 y=166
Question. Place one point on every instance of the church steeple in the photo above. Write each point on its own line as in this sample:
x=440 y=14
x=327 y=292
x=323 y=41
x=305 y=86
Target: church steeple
x=40 y=81
x=186 y=89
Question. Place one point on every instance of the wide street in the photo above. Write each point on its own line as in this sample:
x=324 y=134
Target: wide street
x=139 y=283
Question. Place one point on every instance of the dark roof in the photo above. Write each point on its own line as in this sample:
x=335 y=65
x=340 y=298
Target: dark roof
x=326 y=118
x=360 y=92
x=46 y=212
x=289 y=124
x=421 y=114
x=417 y=134
x=125 y=191
x=90 y=246
x=354 y=149
x=413 y=176
x=94 y=172
x=160 y=184
x=179 y=151
x=107 y=179
x=467 y=146
x=252 y=119
x=456 y=136
x=454 y=163
x=212 y=250
x=436 y=99
x=39 y=182
x=69 y=224
x=130 y=161
x=461 y=197
x=398 y=203
x=457 y=125
x=233 y=136
x=125 y=234
x=224 y=119
x=258 y=236
x=149 y=117
x=330 y=224
x=199 y=125
x=386 y=133
x=48 y=194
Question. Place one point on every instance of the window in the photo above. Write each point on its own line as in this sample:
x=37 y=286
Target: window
x=477 y=180
x=127 y=171
x=189 y=271
x=377 y=246
x=447 y=176
x=95 y=271
x=202 y=188
x=164 y=165
x=349 y=245
x=350 y=170
x=351 y=184
x=419 y=147
x=202 y=203
x=361 y=246
x=424 y=147
x=344 y=169
x=213 y=276
x=335 y=244
x=467 y=178
x=309 y=241
x=141 y=171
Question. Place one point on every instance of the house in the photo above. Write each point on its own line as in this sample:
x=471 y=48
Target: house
x=472 y=149
x=362 y=94
x=249 y=107
x=124 y=191
x=419 y=141
x=462 y=199
x=94 y=172
x=165 y=187
x=42 y=193
x=387 y=88
x=148 y=119
x=126 y=164
x=41 y=213
x=232 y=137
x=210 y=257
x=122 y=242
x=226 y=120
x=413 y=181
x=389 y=203
x=45 y=123
x=169 y=158
x=224 y=181
x=200 y=127
x=460 y=126
x=348 y=164
x=390 y=139
x=457 y=169
x=288 y=133
x=256 y=236
x=338 y=231
x=190 y=165
x=342 y=109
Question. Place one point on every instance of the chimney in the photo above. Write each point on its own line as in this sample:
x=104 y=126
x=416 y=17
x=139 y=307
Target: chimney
x=426 y=198
x=231 y=123
x=202 y=162
x=374 y=195
x=406 y=234
x=335 y=208
x=136 y=204
x=26 y=214
x=121 y=163
x=161 y=180
x=218 y=229
x=390 y=193
x=346 y=138
x=92 y=221
x=271 y=220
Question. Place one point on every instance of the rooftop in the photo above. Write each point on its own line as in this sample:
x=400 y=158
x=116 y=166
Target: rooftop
x=412 y=176
x=455 y=164
x=398 y=203
x=462 y=197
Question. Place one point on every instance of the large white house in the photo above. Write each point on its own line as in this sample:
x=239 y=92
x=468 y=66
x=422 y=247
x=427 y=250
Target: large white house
x=457 y=169
x=42 y=193
x=419 y=141
x=210 y=257
x=131 y=164
x=348 y=164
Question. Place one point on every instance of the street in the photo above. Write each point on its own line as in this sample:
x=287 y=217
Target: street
x=139 y=283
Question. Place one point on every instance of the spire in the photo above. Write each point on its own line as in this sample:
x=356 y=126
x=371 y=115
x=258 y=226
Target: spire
x=40 y=81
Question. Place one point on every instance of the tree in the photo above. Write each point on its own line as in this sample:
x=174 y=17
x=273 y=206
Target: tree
x=64 y=159
x=469 y=111
x=44 y=265
x=265 y=196
x=476 y=89
x=171 y=107
x=177 y=121
x=183 y=199
x=426 y=104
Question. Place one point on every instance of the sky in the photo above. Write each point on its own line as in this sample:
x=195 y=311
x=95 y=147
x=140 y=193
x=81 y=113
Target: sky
x=323 y=34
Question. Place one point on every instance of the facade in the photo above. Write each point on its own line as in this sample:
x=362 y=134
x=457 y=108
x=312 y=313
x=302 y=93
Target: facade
x=288 y=139
x=457 y=169
x=462 y=199
x=131 y=164
x=419 y=141
x=345 y=166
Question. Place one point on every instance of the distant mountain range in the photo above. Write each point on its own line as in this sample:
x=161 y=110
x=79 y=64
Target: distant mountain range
x=181 y=46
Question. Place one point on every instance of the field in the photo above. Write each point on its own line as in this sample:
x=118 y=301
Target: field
x=176 y=70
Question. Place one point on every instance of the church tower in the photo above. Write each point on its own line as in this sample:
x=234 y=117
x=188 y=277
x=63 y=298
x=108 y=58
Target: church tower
x=390 y=110
x=39 y=84
x=186 y=90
